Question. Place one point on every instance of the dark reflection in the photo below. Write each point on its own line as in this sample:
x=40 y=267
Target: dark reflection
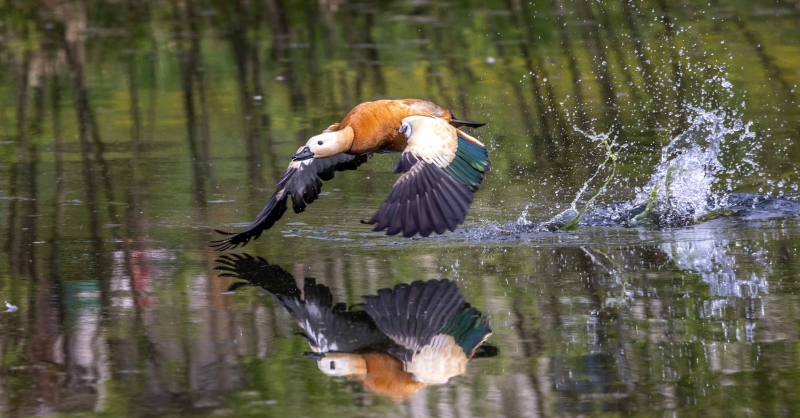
x=597 y=46
x=395 y=343
x=677 y=79
x=541 y=89
x=511 y=76
x=582 y=330
x=185 y=26
x=778 y=80
x=569 y=53
x=249 y=81
x=128 y=128
x=22 y=104
x=631 y=17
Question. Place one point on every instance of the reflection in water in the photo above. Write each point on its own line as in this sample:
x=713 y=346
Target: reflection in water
x=710 y=259
x=128 y=128
x=400 y=341
x=602 y=327
x=729 y=284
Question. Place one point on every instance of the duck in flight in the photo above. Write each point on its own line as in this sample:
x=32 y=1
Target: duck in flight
x=394 y=343
x=441 y=167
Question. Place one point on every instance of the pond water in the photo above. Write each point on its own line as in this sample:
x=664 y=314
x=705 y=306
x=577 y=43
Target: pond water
x=130 y=130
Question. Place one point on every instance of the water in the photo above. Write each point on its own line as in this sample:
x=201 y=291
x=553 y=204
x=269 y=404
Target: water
x=112 y=182
x=685 y=188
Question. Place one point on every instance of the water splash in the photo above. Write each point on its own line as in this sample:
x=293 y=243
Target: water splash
x=522 y=220
x=572 y=216
x=684 y=187
x=693 y=182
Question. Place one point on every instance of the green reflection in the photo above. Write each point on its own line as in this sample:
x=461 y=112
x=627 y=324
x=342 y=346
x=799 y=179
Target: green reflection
x=129 y=129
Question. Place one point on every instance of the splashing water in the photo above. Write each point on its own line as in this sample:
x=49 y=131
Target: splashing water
x=694 y=181
x=522 y=220
x=571 y=217
x=683 y=189
x=690 y=184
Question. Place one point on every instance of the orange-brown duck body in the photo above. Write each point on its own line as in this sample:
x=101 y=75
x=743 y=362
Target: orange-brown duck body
x=376 y=124
x=381 y=126
x=399 y=341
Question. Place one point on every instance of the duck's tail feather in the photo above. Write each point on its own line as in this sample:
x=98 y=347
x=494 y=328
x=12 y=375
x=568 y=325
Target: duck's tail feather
x=458 y=123
x=486 y=350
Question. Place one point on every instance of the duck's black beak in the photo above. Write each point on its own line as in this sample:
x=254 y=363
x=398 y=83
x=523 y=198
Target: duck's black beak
x=303 y=155
x=314 y=356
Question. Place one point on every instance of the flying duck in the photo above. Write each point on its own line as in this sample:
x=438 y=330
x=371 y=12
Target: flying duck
x=441 y=168
x=395 y=343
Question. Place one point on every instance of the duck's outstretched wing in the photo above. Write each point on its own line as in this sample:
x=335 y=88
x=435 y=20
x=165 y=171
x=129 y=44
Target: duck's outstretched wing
x=329 y=327
x=442 y=169
x=435 y=331
x=303 y=182
x=256 y=271
x=326 y=326
x=412 y=314
x=469 y=330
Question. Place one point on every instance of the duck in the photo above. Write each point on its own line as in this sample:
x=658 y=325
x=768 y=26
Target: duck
x=395 y=343
x=434 y=330
x=441 y=167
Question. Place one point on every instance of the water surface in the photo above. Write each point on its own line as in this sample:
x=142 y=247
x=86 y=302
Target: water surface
x=129 y=130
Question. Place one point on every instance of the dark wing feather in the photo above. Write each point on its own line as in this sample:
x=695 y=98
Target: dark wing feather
x=324 y=326
x=328 y=329
x=302 y=182
x=428 y=198
x=468 y=329
x=412 y=314
x=423 y=200
x=256 y=271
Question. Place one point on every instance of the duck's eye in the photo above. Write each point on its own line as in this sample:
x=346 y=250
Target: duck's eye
x=319 y=142
x=333 y=366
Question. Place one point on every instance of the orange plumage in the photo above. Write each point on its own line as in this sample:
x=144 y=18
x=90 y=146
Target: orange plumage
x=386 y=376
x=401 y=340
x=375 y=124
x=385 y=126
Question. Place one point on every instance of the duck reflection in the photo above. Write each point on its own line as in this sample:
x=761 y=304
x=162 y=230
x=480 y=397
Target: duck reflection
x=395 y=343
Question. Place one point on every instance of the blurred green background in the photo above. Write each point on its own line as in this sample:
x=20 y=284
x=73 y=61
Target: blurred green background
x=129 y=129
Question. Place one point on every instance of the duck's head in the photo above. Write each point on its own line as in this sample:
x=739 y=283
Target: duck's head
x=326 y=144
x=340 y=364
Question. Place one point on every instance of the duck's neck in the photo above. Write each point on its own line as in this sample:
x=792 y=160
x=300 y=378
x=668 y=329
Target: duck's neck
x=345 y=140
